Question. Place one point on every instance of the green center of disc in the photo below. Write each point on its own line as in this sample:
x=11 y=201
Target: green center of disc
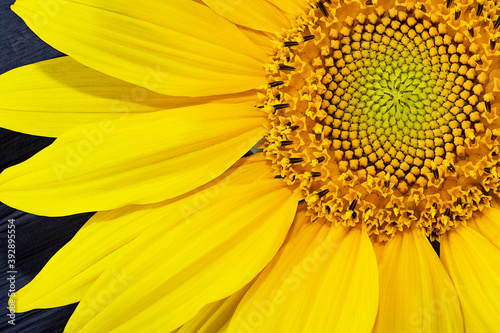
x=397 y=96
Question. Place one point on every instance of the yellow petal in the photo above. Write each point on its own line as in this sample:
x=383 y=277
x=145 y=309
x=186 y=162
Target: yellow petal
x=323 y=280
x=290 y=6
x=72 y=270
x=378 y=248
x=138 y=160
x=215 y=315
x=174 y=47
x=224 y=328
x=260 y=38
x=179 y=270
x=416 y=293
x=300 y=222
x=487 y=223
x=51 y=97
x=254 y=14
x=474 y=266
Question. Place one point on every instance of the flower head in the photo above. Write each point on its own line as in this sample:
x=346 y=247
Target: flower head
x=377 y=124
x=382 y=118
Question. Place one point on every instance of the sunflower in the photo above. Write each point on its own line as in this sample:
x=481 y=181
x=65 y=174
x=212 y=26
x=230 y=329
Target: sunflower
x=377 y=131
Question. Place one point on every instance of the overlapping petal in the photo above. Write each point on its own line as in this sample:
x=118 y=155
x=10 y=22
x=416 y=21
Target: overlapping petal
x=73 y=269
x=487 y=223
x=214 y=316
x=254 y=14
x=323 y=280
x=289 y=6
x=53 y=96
x=151 y=44
x=138 y=160
x=416 y=293
x=203 y=259
x=260 y=38
x=474 y=267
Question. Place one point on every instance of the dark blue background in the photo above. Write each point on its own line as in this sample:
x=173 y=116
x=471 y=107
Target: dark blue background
x=37 y=238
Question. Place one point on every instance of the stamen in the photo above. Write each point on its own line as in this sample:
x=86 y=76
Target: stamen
x=421 y=7
x=487 y=103
x=286 y=143
x=387 y=180
x=494 y=134
x=352 y=206
x=323 y=193
x=448 y=3
x=281 y=106
x=435 y=172
x=290 y=44
x=470 y=29
x=308 y=37
x=295 y=160
x=275 y=84
x=315 y=174
x=286 y=68
x=497 y=23
x=322 y=7
x=479 y=10
x=493 y=42
x=458 y=11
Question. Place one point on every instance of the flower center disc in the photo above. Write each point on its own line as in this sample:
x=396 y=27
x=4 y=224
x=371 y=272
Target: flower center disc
x=382 y=119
